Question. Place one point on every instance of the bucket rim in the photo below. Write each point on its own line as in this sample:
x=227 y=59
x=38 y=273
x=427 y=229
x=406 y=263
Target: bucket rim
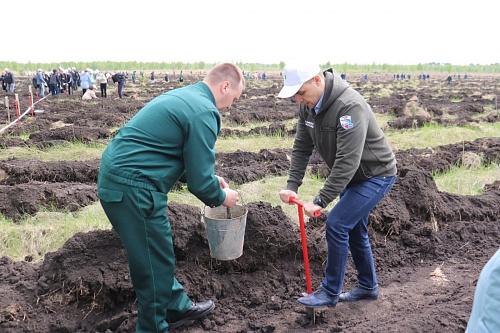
x=245 y=212
x=244 y=204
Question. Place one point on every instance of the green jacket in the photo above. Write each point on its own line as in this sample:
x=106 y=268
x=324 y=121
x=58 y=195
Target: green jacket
x=171 y=138
x=347 y=136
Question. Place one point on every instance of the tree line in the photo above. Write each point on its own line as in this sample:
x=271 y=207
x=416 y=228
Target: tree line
x=204 y=66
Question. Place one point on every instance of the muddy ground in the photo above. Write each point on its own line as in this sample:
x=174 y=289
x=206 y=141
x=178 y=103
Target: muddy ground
x=429 y=246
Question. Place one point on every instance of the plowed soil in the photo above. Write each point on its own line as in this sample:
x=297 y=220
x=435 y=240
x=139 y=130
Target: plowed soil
x=429 y=246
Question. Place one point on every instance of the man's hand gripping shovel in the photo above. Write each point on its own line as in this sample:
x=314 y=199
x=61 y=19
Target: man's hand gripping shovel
x=300 y=208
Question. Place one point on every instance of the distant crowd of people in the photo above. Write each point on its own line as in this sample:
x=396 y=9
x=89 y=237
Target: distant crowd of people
x=152 y=76
x=256 y=76
x=68 y=81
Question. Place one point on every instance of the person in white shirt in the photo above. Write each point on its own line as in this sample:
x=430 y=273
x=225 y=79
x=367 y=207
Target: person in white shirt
x=90 y=94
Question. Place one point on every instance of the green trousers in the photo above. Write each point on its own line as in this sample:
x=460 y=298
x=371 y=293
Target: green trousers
x=139 y=215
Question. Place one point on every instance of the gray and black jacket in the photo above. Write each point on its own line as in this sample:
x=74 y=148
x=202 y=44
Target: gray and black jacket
x=347 y=136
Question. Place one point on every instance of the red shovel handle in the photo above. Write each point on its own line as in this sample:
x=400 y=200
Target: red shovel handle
x=301 y=204
x=300 y=208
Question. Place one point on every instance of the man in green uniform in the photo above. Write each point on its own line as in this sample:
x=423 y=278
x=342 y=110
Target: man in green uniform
x=172 y=138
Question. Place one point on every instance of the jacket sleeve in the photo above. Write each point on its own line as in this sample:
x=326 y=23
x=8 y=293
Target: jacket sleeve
x=303 y=147
x=199 y=158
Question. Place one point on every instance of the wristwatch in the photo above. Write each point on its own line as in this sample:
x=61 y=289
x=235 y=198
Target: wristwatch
x=317 y=201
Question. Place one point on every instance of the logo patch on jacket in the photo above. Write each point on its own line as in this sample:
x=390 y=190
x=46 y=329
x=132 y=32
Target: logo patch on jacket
x=346 y=122
x=309 y=124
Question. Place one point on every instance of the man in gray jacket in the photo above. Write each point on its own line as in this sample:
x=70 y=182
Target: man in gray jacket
x=335 y=120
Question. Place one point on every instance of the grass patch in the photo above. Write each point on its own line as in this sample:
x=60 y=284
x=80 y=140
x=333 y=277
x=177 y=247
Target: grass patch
x=253 y=143
x=490 y=97
x=465 y=180
x=456 y=99
x=289 y=124
x=34 y=236
x=74 y=151
x=432 y=135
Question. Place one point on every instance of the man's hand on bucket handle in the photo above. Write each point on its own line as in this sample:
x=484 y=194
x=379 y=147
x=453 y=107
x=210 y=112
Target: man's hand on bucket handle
x=232 y=198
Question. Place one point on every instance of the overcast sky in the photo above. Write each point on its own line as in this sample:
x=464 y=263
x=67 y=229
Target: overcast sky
x=257 y=31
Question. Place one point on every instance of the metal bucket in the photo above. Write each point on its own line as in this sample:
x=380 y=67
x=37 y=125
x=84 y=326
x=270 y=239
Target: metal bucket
x=225 y=231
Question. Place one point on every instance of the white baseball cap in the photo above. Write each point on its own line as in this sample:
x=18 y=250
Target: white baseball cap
x=295 y=76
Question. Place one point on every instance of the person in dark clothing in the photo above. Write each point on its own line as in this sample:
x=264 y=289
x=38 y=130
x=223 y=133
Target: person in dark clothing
x=66 y=82
x=4 y=84
x=114 y=79
x=119 y=80
x=2 y=79
x=9 y=80
x=170 y=139
x=75 y=77
x=33 y=82
x=54 y=83
x=335 y=120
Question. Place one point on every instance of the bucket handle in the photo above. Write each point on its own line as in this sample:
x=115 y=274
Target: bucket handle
x=228 y=209
x=241 y=197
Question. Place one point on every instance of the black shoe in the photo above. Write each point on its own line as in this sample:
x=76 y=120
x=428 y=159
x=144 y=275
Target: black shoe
x=359 y=293
x=196 y=311
x=319 y=299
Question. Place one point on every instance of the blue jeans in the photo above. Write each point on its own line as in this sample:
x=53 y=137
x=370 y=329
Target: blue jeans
x=120 y=88
x=347 y=228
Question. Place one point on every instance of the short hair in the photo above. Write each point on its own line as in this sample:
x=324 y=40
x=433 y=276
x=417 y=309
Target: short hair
x=225 y=72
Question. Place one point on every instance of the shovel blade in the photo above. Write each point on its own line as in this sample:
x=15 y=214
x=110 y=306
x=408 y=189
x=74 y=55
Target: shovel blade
x=310 y=314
